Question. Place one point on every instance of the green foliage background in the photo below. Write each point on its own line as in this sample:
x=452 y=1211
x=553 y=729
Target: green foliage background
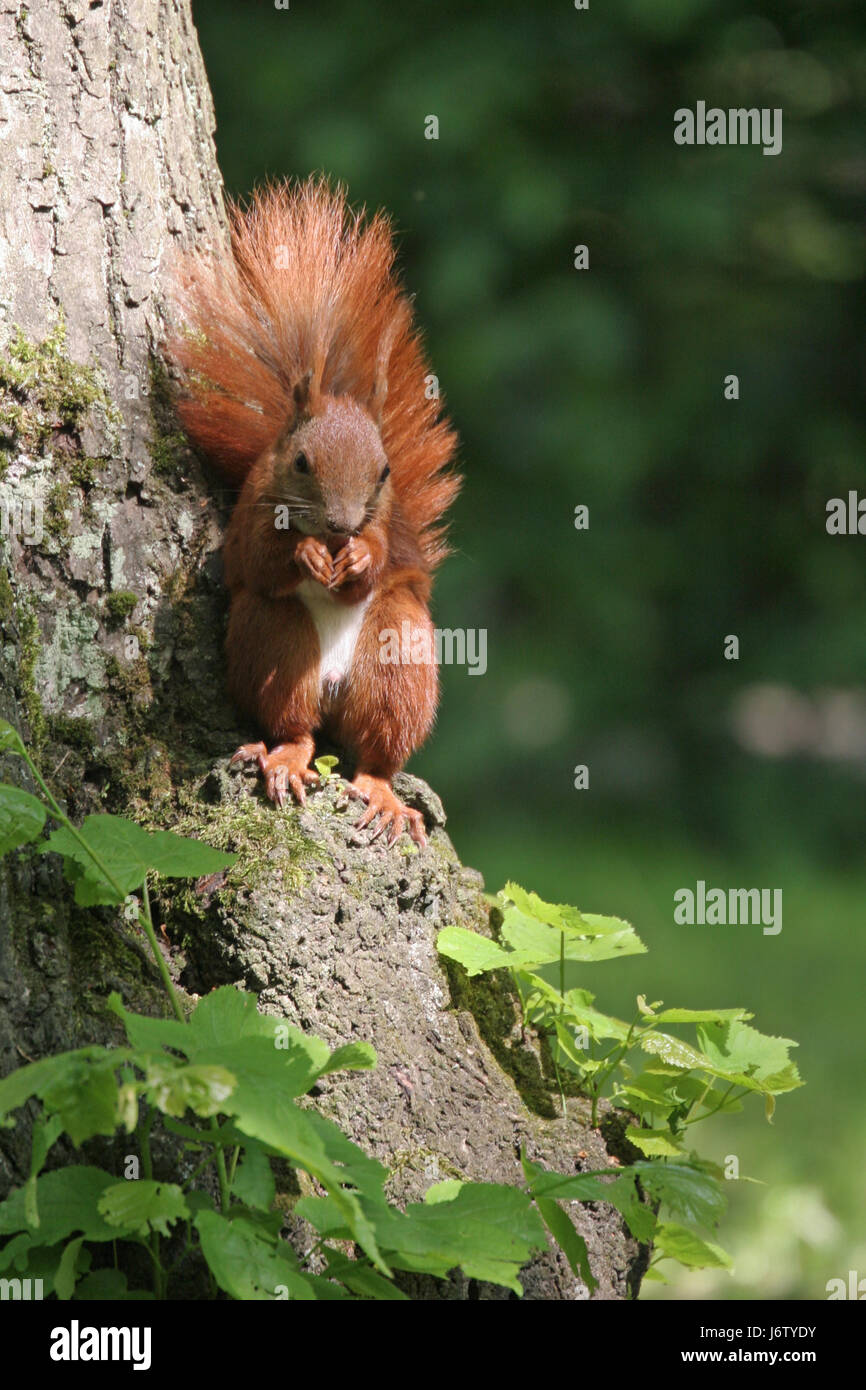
x=707 y=517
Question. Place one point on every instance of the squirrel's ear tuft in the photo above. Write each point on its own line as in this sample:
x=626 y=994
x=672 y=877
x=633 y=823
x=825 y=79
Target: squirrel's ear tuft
x=305 y=396
x=379 y=393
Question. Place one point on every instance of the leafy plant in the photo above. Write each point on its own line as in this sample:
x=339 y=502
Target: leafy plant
x=226 y=1083
x=108 y=858
x=669 y=1084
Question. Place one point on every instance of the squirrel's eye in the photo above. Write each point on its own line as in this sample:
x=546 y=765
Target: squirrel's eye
x=385 y=471
x=302 y=464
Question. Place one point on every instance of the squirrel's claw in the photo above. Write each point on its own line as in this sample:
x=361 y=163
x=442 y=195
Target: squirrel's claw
x=351 y=562
x=276 y=783
x=393 y=815
x=247 y=753
x=315 y=558
x=284 y=769
x=416 y=826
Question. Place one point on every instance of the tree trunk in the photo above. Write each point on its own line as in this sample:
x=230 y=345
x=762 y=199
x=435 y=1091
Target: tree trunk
x=111 y=666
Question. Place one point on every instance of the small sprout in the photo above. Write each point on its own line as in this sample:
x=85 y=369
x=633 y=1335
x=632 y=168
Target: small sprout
x=325 y=767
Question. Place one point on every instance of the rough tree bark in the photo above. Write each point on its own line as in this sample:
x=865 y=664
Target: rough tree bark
x=112 y=621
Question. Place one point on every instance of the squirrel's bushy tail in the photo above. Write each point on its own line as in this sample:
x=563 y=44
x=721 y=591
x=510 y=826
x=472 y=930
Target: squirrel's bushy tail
x=310 y=288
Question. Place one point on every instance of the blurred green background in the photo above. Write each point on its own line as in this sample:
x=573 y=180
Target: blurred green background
x=707 y=516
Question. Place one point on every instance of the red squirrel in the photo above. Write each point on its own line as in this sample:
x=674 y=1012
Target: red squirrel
x=306 y=383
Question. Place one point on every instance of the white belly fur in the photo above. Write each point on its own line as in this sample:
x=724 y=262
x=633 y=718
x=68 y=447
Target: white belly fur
x=337 y=627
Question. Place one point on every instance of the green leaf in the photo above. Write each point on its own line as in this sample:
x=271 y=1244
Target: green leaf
x=174 y=1087
x=31 y=1201
x=655 y=1143
x=257 y=1067
x=17 y=1252
x=534 y=942
x=227 y=1016
x=254 y=1179
x=753 y=1059
x=599 y=938
x=474 y=952
x=245 y=1264
x=10 y=739
x=46 y=1130
x=325 y=1216
x=150 y=1034
x=142 y=1205
x=573 y=1245
x=489 y=1231
x=535 y=928
x=601 y=1027
x=85 y=1096
x=21 y=817
x=558 y=915
x=325 y=1290
x=638 y=1216
x=129 y=852
x=67 y=1202
x=444 y=1191
x=687 y=1189
x=325 y=766
x=268 y=1081
x=86 y=1074
x=102 y=1284
x=659 y=1092
x=362 y=1280
x=679 y=1243
x=356 y=1168
x=620 y=1191
x=625 y=938
x=64 y=1279
x=700 y=1015
x=674 y=1052
x=564 y=1047
x=642 y=1104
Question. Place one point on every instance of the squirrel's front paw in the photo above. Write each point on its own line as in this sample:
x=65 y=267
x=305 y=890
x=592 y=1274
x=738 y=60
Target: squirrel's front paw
x=351 y=562
x=315 y=558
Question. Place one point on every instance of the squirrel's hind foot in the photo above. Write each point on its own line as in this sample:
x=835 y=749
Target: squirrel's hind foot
x=285 y=768
x=394 y=816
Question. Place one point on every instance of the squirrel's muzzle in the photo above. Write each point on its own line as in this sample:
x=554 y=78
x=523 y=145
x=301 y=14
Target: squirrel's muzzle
x=342 y=525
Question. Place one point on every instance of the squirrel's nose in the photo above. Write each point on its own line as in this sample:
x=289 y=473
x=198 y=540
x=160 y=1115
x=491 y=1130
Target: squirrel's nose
x=341 y=525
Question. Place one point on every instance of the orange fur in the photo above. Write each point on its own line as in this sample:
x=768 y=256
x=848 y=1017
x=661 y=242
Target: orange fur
x=311 y=288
